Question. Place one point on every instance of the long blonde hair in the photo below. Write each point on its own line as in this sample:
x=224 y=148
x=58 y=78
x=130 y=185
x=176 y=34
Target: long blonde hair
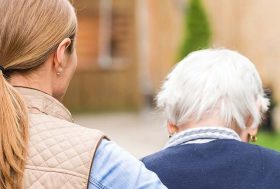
x=30 y=31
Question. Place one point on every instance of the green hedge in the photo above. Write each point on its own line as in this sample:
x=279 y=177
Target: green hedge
x=269 y=140
x=196 y=29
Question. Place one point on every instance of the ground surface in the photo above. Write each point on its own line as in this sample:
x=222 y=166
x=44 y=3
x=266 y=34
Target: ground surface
x=144 y=133
x=139 y=133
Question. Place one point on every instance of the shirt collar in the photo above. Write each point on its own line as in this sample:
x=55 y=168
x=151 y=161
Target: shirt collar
x=39 y=101
x=202 y=135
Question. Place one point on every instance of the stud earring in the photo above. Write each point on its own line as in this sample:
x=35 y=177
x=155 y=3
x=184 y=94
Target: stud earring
x=59 y=71
x=171 y=135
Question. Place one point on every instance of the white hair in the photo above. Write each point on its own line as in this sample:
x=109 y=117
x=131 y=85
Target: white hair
x=213 y=82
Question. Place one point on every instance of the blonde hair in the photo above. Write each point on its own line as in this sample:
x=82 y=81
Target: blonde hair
x=30 y=31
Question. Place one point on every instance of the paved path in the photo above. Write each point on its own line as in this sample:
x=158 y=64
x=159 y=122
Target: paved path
x=139 y=133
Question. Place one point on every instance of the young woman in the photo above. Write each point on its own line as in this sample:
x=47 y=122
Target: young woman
x=213 y=103
x=40 y=146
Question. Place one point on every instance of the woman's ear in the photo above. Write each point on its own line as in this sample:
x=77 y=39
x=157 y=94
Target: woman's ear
x=172 y=129
x=60 y=56
x=249 y=122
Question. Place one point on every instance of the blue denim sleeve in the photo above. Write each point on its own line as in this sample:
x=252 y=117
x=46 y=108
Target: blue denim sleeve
x=115 y=168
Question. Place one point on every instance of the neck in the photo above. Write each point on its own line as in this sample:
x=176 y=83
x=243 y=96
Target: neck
x=208 y=122
x=215 y=122
x=32 y=80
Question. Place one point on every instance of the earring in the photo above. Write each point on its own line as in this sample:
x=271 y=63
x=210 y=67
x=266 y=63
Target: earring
x=59 y=71
x=171 y=135
x=253 y=138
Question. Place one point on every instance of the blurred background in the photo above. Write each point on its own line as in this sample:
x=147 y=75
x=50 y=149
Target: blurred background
x=126 y=48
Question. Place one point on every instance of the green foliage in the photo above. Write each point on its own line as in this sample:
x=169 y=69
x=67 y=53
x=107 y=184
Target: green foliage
x=269 y=140
x=197 y=31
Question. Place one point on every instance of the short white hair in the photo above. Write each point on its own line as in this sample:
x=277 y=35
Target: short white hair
x=213 y=81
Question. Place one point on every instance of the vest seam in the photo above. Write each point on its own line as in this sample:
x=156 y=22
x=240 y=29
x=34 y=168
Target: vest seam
x=92 y=159
x=55 y=170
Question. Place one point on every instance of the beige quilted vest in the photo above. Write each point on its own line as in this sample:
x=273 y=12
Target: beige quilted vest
x=60 y=152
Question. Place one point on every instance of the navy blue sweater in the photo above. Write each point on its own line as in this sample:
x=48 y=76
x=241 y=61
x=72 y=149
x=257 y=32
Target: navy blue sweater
x=220 y=164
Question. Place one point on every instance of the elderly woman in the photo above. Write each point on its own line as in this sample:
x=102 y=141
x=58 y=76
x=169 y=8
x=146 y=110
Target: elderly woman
x=40 y=146
x=213 y=103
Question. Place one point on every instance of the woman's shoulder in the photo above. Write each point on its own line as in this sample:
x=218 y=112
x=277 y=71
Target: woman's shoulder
x=225 y=147
x=269 y=156
x=165 y=154
x=56 y=122
x=62 y=129
x=270 y=167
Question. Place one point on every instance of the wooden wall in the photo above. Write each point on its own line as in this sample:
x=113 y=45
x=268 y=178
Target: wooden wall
x=100 y=90
x=252 y=28
x=94 y=88
x=165 y=35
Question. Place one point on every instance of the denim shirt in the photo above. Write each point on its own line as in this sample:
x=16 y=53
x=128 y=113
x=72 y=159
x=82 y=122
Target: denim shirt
x=115 y=168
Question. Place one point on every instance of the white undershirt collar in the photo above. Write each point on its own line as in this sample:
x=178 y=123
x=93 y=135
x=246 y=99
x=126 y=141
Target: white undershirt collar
x=202 y=135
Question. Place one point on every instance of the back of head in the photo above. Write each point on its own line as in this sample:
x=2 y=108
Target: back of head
x=213 y=83
x=30 y=31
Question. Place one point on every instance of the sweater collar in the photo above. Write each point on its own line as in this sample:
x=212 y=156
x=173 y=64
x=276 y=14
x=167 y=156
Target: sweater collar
x=39 y=101
x=202 y=135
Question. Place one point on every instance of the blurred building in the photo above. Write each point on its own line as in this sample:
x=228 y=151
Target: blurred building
x=250 y=27
x=106 y=76
x=126 y=47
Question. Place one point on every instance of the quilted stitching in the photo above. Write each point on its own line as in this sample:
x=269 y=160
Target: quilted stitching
x=60 y=152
